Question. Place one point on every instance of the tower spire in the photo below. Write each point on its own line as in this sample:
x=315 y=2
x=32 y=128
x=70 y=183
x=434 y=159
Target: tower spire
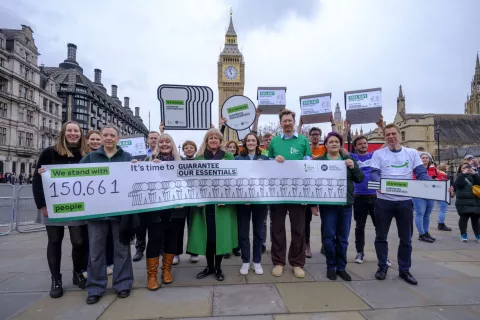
x=231 y=29
x=400 y=92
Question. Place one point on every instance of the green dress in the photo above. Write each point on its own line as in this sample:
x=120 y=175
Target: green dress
x=225 y=223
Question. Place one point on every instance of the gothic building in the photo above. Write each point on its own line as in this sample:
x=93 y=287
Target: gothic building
x=472 y=105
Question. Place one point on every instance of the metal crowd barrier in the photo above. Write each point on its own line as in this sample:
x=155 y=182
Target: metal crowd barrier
x=7 y=207
x=26 y=211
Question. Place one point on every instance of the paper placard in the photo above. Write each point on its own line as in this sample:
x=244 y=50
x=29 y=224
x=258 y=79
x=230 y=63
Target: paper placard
x=239 y=112
x=363 y=106
x=271 y=100
x=423 y=189
x=135 y=145
x=185 y=107
x=316 y=108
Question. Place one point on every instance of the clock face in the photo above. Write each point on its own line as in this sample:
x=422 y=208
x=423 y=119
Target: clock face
x=231 y=72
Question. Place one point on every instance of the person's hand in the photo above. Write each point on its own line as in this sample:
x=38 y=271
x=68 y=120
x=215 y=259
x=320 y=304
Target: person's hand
x=280 y=159
x=315 y=211
x=300 y=122
x=346 y=125
x=41 y=170
x=247 y=204
x=332 y=119
x=259 y=159
x=258 y=113
x=452 y=191
x=134 y=161
x=350 y=163
x=379 y=123
x=44 y=211
x=161 y=127
x=156 y=160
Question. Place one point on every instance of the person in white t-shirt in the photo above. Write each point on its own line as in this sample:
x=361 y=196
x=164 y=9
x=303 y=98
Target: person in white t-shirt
x=399 y=163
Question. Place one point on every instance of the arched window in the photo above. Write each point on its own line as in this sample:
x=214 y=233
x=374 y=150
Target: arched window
x=403 y=135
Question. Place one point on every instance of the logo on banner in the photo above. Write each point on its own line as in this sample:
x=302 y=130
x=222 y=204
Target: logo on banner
x=267 y=93
x=357 y=97
x=324 y=167
x=310 y=102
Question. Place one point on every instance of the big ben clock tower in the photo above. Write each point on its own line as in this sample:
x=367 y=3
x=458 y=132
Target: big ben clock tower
x=231 y=74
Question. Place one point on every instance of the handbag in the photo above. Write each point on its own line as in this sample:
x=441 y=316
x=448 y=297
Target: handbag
x=475 y=188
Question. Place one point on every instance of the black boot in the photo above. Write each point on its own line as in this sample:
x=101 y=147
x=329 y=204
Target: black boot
x=79 y=280
x=138 y=256
x=56 y=291
x=443 y=227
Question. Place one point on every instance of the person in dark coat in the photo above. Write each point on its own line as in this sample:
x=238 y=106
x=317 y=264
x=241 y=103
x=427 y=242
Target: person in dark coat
x=467 y=204
x=69 y=149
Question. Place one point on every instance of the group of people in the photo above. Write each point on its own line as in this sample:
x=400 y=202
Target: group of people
x=11 y=178
x=102 y=246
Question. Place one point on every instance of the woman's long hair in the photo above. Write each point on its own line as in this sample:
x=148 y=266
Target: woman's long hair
x=62 y=147
x=175 y=154
x=210 y=132
x=244 y=150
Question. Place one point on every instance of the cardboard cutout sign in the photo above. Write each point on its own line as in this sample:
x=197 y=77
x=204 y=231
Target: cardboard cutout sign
x=239 y=111
x=363 y=106
x=271 y=100
x=316 y=108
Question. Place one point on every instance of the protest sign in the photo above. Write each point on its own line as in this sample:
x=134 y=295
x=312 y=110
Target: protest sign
x=271 y=100
x=424 y=189
x=84 y=191
x=316 y=108
x=135 y=145
x=239 y=111
x=363 y=106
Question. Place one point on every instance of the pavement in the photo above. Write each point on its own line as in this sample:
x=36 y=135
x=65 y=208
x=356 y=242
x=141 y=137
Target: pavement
x=448 y=272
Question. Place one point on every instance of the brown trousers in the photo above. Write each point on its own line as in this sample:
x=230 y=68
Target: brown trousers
x=296 y=252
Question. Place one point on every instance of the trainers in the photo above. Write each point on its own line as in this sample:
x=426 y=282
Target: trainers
x=477 y=238
x=258 y=268
x=176 y=260
x=85 y=274
x=110 y=270
x=463 y=237
x=443 y=227
x=244 y=268
x=277 y=271
x=194 y=258
x=298 y=272
x=425 y=238
x=428 y=235
x=389 y=263
x=359 y=257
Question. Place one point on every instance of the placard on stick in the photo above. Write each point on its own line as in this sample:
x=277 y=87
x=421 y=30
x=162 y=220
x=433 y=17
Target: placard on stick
x=271 y=100
x=316 y=108
x=363 y=106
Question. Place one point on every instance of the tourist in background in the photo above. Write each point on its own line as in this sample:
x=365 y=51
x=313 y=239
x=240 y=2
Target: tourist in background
x=336 y=220
x=467 y=203
x=69 y=148
x=442 y=205
x=255 y=213
x=213 y=229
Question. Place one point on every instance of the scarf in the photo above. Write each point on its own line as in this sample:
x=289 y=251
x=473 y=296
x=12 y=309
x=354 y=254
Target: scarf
x=165 y=158
x=210 y=156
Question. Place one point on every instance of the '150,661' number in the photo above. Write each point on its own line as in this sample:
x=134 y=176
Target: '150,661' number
x=78 y=189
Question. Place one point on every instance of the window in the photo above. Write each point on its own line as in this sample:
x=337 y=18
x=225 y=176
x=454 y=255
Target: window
x=29 y=116
x=2 y=41
x=403 y=135
x=3 y=85
x=45 y=103
x=2 y=62
x=25 y=92
x=56 y=126
x=3 y=109
x=50 y=124
x=3 y=136
x=81 y=117
x=21 y=114
x=29 y=139
x=43 y=142
x=51 y=87
x=31 y=94
x=49 y=141
x=44 y=121
x=80 y=102
x=20 y=138
x=50 y=106
x=25 y=73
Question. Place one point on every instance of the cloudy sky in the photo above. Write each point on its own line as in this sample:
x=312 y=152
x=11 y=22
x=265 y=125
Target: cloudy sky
x=309 y=46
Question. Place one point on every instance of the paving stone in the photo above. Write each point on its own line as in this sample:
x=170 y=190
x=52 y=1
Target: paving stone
x=165 y=303
x=71 y=306
x=8 y=275
x=187 y=277
x=430 y=269
x=476 y=308
x=468 y=268
x=31 y=282
x=366 y=271
x=474 y=254
x=13 y=303
x=319 y=272
x=321 y=316
x=319 y=296
x=445 y=256
x=450 y=291
x=258 y=317
x=247 y=299
x=428 y=313
x=390 y=294
x=267 y=276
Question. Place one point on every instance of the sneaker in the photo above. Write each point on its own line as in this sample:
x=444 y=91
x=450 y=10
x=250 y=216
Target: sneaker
x=110 y=269
x=277 y=271
x=298 y=272
x=194 y=258
x=477 y=238
x=443 y=227
x=463 y=237
x=428 y=235
x=389 y=263
x=244 y=269
x=176 y=260
x=85 y=274
x=359 y=257
x=425 y=238
x=258 y=268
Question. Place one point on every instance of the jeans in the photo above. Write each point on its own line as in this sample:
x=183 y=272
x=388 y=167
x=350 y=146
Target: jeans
x=363 y=207
x=423 y=209
x=442 y=211
x=336 y=222
x=256 y=213
x=385 y=211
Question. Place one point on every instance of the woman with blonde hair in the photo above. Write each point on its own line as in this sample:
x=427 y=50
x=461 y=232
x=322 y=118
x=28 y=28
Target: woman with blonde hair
x=69 y=149
x=165 y=223
x=213 y=228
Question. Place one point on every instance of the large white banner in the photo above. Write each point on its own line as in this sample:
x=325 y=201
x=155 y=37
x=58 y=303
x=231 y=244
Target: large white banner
x=104 y=189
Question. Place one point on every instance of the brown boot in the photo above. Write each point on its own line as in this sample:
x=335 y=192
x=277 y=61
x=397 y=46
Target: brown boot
x=152 y=272
x=167 y=268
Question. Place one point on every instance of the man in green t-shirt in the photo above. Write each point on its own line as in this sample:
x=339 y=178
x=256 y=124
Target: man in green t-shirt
x=288 y=146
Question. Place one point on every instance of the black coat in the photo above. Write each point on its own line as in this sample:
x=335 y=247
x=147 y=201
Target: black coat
x=467 y=202
x=47 y=157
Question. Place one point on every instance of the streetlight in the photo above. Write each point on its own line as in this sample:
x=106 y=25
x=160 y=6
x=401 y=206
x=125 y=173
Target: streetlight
x=437 y=131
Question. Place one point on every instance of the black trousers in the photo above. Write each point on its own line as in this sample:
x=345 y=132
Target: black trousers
x=141 y=236
x=54 y=248
x=463 y=222
x=164 y=235
x=213 y=260
x=363 y=207
x=308 y=220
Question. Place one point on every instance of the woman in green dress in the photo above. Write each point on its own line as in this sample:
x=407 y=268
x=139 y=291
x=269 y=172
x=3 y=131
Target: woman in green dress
x=213 y=228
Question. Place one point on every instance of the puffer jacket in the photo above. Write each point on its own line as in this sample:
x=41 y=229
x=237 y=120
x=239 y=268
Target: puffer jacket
x=466 y=202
